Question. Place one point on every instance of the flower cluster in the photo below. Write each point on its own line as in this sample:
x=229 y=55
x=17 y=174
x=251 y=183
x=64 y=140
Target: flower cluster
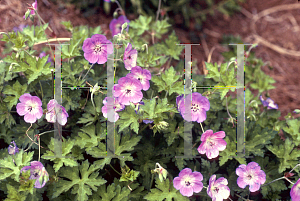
x=189 y=182
x=128 y=89
x=31 y=108
x=33 y=8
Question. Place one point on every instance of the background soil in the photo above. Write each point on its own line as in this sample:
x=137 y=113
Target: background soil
x=279 y=28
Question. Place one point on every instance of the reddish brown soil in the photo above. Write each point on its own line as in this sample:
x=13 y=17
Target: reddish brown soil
x=279 y=28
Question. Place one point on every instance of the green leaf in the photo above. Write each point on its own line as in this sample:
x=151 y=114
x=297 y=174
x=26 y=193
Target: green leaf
x=90 y=137
x=126 y=143
x=168 y=82
x=71 y=50
x=286 y=154
x=82 y=179
x=10 y=168
x=230 y=153
x=128 y=117
x=112 y=193
x=66 y=158
x=293 y=130
x=35 y=69
x=170 y=47
x=128 y=175
x=34 y=34
x=141 y=24
x=164 y=191
x=68 y=25
x=14 y=195
x=160 y=27
x=16 y=90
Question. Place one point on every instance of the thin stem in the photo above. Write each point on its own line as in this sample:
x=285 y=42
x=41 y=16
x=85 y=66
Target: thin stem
x=43 y=21
x=52 y=82
x=86 y=99
x=166 y=95
x=88 y=70
x=204 y=187
x=151 y=181
x=289 y=180
x=34 y=139
x=294 y=167
x=120 y=7
x=40 y=19
x=143 y=128
x=272 y=181
x=114 y=169
x=202 y=127
x=46 y=132
x=41 y=90
x=29 y=145
x=157 y=13
x=39 y=148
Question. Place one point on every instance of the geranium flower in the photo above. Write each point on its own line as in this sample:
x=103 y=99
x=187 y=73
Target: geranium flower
x=142 y=75
x=128 y=90
x=116 y=25
x=218 y=190
x=51 y=114
x=130 y=57
x=212 y=143
x=117 y=106
x=38 y=172
x=200 y=105
x=250 y=175
x=268 y=103
x=96 y=49
x=19 y=28
x=31 y=107
x=188 y=182
x=12 y=150
x=295 y=191
x=32 y=12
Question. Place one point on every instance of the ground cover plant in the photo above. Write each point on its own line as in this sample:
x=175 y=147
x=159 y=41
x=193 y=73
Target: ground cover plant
x=149 y=120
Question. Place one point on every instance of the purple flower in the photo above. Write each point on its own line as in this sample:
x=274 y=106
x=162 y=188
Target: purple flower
x=32 y=12
x=142 y=75
x=12 y=150
x=96 y=49
x=31 y=107
x=43 y=54
x=268 y=103
x=128 y=90
x=117 y=106
x=200 y=105
x=116 y=25
x=250 y=175
x=295 y=191
x=19 y=28
x=51 y=113
x=188 y=182
x=107 y=1
x=130 y=57
x=218 y=190
x=38 y=172
x=212 y=143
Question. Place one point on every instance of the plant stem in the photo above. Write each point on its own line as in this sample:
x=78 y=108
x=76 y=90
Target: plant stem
x=88 y=70
x=151 y=181
x=143 y=128
x=202 y=127
x=272 y=181
x=41 y=89
x=46 y=132
x=39 y=148
x=114 y=169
